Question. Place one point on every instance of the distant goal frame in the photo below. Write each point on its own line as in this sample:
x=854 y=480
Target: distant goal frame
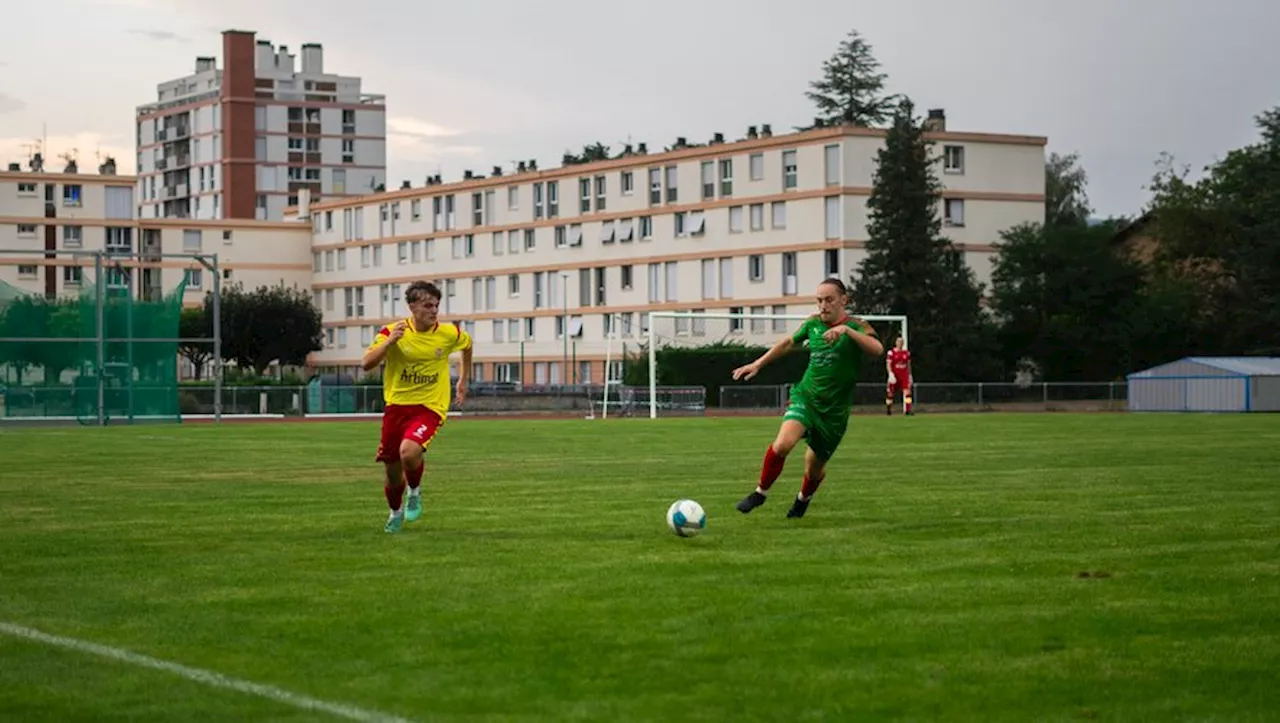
x=746 y=317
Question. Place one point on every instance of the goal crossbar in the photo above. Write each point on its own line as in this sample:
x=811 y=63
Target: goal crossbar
x=655 y=316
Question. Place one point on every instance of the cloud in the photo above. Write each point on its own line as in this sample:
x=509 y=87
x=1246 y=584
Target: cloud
x=82 y=146
x=414 y=128
x=9 y=104
x=412 y=139
x=161 y=36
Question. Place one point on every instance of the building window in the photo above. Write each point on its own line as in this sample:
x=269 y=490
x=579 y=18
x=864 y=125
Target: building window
x=735 y=219
x=953 y=159
x=71 y=195
x=726 y=177
x=789 y=174
x=954 y=214
x=832 y=220
x=72 y=237
x=755 y=266
x=627 y=182
x=831 y=165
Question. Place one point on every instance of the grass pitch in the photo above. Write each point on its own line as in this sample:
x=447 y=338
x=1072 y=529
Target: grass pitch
x=987 y=567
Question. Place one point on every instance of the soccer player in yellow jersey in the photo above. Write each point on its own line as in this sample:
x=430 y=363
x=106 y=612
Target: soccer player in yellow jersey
x=415 y=389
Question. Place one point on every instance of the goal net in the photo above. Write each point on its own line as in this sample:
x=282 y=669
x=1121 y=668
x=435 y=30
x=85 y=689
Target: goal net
x=700 y=350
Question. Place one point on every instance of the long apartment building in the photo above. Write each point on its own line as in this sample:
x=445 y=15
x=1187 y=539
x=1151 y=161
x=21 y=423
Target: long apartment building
x=48 y=221
x=241 y=141
x=750 y=226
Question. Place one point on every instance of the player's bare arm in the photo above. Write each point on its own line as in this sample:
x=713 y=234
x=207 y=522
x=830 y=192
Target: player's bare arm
x=747 y=371
x=375 y=356
x=464 y=375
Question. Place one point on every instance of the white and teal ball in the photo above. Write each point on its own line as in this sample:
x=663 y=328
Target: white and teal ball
x=686 y=518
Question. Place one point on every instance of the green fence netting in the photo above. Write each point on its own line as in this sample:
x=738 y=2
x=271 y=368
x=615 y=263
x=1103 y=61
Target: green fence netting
x=96 y=356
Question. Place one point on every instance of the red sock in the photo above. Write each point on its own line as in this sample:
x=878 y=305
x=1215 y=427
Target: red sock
x=810 y=486
x=771 y=468
x=394 y=495
x=414 y=476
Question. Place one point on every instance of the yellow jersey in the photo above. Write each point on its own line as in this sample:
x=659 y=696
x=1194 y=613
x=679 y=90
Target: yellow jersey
x=416 y=369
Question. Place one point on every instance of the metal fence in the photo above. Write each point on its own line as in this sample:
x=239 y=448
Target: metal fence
x=54 y=403
x=952 y=397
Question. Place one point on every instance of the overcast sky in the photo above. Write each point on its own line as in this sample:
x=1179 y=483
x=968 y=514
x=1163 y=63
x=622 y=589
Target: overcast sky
x=470 y=85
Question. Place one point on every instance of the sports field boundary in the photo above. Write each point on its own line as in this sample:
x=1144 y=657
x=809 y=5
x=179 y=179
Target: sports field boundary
x=199 y=675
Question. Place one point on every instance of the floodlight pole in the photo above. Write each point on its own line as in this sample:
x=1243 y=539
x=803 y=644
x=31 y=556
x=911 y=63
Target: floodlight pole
x=99 y=342
x=217 y=342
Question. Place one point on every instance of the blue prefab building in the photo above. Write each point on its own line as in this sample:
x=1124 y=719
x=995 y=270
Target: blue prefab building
x=1208 y=384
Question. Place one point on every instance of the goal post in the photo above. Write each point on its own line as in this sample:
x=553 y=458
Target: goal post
x=688 y=347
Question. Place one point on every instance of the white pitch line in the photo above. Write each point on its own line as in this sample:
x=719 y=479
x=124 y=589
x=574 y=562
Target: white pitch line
x=201 y=676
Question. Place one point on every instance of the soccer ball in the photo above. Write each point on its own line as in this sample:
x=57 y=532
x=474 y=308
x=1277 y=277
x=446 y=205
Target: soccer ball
x=686 y=518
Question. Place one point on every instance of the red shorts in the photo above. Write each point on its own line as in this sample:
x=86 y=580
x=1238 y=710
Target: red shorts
x=405 y=421
x=900 y=381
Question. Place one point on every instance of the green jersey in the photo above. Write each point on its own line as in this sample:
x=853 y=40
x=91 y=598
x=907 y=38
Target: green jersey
x=829 y=382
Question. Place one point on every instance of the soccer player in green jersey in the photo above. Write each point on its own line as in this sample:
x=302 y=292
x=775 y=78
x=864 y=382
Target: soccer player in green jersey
x=819 y=407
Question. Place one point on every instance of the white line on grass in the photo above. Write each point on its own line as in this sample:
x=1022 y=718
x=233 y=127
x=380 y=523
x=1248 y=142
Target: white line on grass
x=200 y=676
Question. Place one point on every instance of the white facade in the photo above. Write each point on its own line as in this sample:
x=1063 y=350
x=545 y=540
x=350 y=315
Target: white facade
x=311 y=129
x=745 y=227
x=93 y=213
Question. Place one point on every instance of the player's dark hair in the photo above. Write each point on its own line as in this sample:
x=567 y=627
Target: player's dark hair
x=419 y=291
x=836 y=283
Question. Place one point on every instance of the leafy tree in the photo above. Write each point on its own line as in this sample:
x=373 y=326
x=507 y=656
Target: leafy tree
x=34 y=316
x=1066 y=301
x=911 y=269
x=196 y=323
x=269 y=324
x=1065 y=201
x=1221 y=237
x=590 y=154
x=851 y=89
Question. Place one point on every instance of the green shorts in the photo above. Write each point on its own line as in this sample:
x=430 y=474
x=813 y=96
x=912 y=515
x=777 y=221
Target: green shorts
x=823 y=431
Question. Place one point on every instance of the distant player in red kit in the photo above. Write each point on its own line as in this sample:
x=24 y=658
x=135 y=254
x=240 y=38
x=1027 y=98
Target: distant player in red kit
x=898 y=364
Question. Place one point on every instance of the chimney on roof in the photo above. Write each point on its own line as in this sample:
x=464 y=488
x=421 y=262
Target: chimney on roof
x=497 y=170
x=108 y=167
x=313 y=59
x=717 y=138
x=751 y=133
x=937 y=120
x=284 y=59
x=533 y=164
x=304 y=203
x=766 y=131
x=520 y=167
x=15 y=167
x=642 y=149
x=405 y=185
x=466 y=175
x=205 y=64
x=265 y=58
x=681 y=142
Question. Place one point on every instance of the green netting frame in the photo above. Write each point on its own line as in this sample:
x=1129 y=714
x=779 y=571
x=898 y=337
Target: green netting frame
x=100 y=356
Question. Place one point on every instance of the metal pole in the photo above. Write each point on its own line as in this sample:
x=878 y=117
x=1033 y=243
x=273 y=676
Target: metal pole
x=100 y=324
x=217 y=342
x=653 y=370
x=564 y=296
x=128 y=325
